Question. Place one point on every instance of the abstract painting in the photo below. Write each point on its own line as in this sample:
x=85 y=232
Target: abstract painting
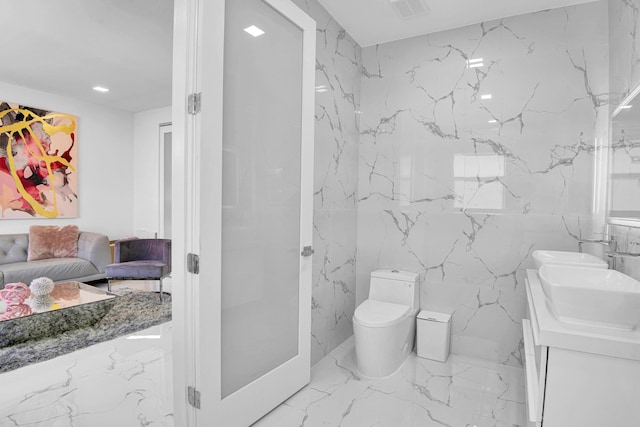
x=38 y=163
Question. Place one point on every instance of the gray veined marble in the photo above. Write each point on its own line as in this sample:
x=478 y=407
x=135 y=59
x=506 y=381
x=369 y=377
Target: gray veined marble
x=122 y=382
x=624 y=42
x=338 y=70
x=477 y=146
x=460 y=392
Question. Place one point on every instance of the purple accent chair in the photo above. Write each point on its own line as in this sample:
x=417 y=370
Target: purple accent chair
x=140 y=259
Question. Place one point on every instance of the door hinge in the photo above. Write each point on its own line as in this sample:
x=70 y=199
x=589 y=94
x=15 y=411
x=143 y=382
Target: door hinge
x=193 y=396
x=307 y=251
x=193 y=263
x=194 y=103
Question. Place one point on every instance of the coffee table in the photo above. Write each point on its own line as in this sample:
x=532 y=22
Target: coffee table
x=72 y=305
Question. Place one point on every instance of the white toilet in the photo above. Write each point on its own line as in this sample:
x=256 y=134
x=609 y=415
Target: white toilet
x=384 y=325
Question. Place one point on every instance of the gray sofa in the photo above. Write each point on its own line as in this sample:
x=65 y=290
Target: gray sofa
x=93 y=255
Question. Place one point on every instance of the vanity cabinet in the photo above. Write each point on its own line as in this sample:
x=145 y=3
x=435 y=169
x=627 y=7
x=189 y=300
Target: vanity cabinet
x=535 y=357
x=572 y=377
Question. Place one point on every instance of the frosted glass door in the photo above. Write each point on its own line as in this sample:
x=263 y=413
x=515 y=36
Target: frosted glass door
x=261 y=192
x=253 y=209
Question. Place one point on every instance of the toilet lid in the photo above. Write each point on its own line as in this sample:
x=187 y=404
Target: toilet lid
x=379 y=313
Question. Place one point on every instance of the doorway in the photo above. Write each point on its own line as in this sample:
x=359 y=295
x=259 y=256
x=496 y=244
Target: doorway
x=164 y=207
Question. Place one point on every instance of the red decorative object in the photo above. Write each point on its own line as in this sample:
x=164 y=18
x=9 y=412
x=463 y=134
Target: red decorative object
x=14 y=311
x=14 y=293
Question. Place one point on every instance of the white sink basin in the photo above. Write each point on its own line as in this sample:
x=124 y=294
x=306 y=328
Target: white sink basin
x=578 y=259
x=592 y=296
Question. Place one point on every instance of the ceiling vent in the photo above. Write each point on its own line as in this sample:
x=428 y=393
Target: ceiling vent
x=407 y=9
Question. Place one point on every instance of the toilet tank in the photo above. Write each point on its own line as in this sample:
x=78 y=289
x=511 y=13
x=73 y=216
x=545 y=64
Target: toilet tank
x=396 y=286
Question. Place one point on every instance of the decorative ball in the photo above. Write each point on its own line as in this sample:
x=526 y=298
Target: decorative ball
x=41 y=286
x=41 y=303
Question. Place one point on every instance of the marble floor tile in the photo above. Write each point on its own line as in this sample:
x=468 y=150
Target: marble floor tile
x=128 y=382
x=124 y=382
x=461 y=392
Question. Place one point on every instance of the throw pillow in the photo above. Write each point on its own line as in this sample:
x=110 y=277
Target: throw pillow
x=51 y=241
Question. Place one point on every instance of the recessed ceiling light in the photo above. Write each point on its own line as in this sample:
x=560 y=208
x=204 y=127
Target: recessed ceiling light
x=100 y=89
x=486 y=96
x=254 y=31
x=626 y=107
x=321 y=88
x=493 y=121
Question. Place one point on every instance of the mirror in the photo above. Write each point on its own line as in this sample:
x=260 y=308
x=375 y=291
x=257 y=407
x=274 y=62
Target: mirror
x=624 y=162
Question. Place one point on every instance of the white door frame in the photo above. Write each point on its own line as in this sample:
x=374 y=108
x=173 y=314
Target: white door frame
x=185 y=41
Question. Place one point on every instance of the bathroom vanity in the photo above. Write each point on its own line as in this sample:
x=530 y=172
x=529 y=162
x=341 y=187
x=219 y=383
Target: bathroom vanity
x=578 y=374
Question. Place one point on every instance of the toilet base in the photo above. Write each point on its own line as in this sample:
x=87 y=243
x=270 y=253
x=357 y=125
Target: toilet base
x=366 y=377
x=380 y=352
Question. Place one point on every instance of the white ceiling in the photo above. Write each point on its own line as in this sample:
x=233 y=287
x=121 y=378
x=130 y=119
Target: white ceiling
x=372 y=22
x=66 y=47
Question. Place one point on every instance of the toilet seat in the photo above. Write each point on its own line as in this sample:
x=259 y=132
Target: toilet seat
x=378 y=314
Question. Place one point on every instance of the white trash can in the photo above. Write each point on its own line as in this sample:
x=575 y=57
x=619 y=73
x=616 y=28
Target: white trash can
x=433 y=332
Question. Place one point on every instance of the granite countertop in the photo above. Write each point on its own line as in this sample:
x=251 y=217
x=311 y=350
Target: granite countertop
x=549 y=331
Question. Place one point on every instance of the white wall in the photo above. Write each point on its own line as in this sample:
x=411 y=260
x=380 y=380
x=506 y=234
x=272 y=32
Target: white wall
x=105 y=164
x=146 y=172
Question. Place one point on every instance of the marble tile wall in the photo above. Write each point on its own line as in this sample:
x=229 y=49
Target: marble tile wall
x=624 y=63
x=461 y=187
x=338 y=67
x=624 y=45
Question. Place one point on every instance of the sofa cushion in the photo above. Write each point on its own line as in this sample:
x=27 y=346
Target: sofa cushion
x=147 y=269
x=51 y=241
x=13 y=247
x=57 y=269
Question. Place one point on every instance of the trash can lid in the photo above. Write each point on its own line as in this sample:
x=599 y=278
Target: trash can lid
x=434 y=316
